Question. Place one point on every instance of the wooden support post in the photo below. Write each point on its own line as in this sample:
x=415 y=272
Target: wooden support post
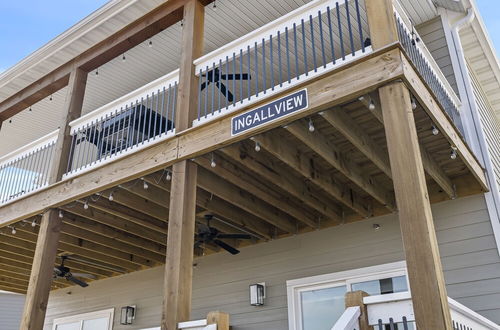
x=182 y=211
x=219 y=318
x=381 y=22
x=50 y=224
x=355 y=298
x=417 y=227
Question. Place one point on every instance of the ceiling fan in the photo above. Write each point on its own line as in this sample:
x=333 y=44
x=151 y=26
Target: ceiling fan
x=210 y=235
x=64 y=272
x=215 y=76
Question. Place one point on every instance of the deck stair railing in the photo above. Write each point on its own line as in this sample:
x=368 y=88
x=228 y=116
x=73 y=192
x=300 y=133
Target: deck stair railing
x=427 y=67
x=395 y=312
x=26 y=169
x=124 y=125
x=306 y=42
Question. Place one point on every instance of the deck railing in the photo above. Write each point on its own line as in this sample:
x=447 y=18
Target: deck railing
x=127 y=124
x=26 y=169
x=427 y=67
x=308 y=41
x=395 y=311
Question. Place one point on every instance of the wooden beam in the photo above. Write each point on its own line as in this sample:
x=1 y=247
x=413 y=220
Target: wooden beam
x=342 y=162
x=430 y=300
x=182 y=210
x=443 y=122
x=430 y=165
x=266 y=167
x=381 y=22
x=290 y=155
x=349 y=82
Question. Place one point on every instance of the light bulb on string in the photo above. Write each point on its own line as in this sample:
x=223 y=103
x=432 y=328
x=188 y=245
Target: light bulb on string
x=111 y=197
x=213 y=164
x=371 y=106
x=413 y=103
x=150 y=43
x=169 y=176
x=435 y=130
x=453 y=153
x=124 y=58
x=144 y=184
x=14 y=231
x=257 y=146
x=311 y=126
x=61 y=215
x=33 y=224
x=86 y=205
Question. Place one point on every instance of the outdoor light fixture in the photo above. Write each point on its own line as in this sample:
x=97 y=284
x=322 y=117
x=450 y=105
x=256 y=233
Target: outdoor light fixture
x=257 y=294
x=127 y=315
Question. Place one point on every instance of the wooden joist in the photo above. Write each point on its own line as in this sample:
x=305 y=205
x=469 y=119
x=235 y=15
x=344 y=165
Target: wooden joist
x=295 y=159
x=430 y=165
x=237 y=177
x=244 y=200
x=342 y=162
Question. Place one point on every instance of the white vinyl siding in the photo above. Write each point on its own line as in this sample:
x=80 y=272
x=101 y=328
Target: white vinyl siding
x=490 y=123
x=468 y=250
x=11 y=309
x=433 y=36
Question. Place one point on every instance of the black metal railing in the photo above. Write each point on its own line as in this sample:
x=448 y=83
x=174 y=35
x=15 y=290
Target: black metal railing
x=26 y=173
x=141 y=121
x=305 y=46
x=410 y=43
x=404 y=324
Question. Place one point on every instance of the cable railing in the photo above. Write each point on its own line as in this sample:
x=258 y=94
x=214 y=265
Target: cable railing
x=427 y=67
x=26 y=169
x=305 y=43
x=127 y=124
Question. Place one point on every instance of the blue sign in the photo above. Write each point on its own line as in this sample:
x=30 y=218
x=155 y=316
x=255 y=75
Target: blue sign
x=269 y=112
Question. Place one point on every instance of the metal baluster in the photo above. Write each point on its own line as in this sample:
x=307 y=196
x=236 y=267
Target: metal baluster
x=162 y=107
x=306 y=69
x=391 y=323
x=330 y=32
x=37 y=165
x=45 y=168
x=248 y=81
x=168 y=99
x=279 y=60
x=271 y=66
x=349 y=27
x=122 y=137
x=71 y=153
x=23 y=167
x=174 y=105
x=264 y=75
x=86 y=152
x=144 y=118
x=219 y=81
x=114 y=136
x=200 y=83
x=287 y=51
x=80 y=147
x=360 y=26
x=380 y=325
x=14 y=182
x=150 y=112
x=234 y=79
x=31 y=161
x=297 y=72
x=241 y=74
x=323 y=56
x=405 y=323
x=131 y=124
x=213 y=88
x=227 y=82
x=342 y=50
x=156 y=113
x=206 y=92
x=256 y=71
x=312 y=44
x=2 y=182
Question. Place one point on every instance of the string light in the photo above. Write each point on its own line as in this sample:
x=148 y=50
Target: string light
x=168 y=177
x=50 y=98
x=215 y=5
x=413 y=103
x=111 y=197
x=86 y=205
x=182 y=22
x=311 y=126
x=145 y=184
x=453 y=154
x=257 y=146
x=124 y=58
x=10 y=121
x=30 y=109
x=371 y=106
x=97 y=71
x=61 y=215
x=150 y=44
x=435 y=131
x=213 y=164
x=33 y=224
x=14 y=231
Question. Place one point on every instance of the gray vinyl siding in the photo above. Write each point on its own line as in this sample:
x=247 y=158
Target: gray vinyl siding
x=11 y=309
x=432 y=34
x=468 y=250
x=490 y=123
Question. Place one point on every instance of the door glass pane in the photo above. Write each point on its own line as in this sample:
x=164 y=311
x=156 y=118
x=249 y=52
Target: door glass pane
x=382 y=286
x=322 y=308
x=96 y=324
x=69 y=326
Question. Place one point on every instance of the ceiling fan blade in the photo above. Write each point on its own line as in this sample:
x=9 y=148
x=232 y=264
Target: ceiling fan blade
x=235 y=236
x=225 y=91
x=76 y=281
x=57 y=272
x=84 y=275
x=203 y=227
x=236 y=76
x=226 y=247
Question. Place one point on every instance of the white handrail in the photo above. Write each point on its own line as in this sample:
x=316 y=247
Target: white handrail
x=401 y=14
x=27 y=148
x=263 y=32
x=196 y=325
x=125 y=100
x=467 y=317
x=349 y=319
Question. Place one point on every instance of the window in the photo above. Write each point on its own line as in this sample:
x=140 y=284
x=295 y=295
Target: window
x=317 y=302
x=100 y=320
